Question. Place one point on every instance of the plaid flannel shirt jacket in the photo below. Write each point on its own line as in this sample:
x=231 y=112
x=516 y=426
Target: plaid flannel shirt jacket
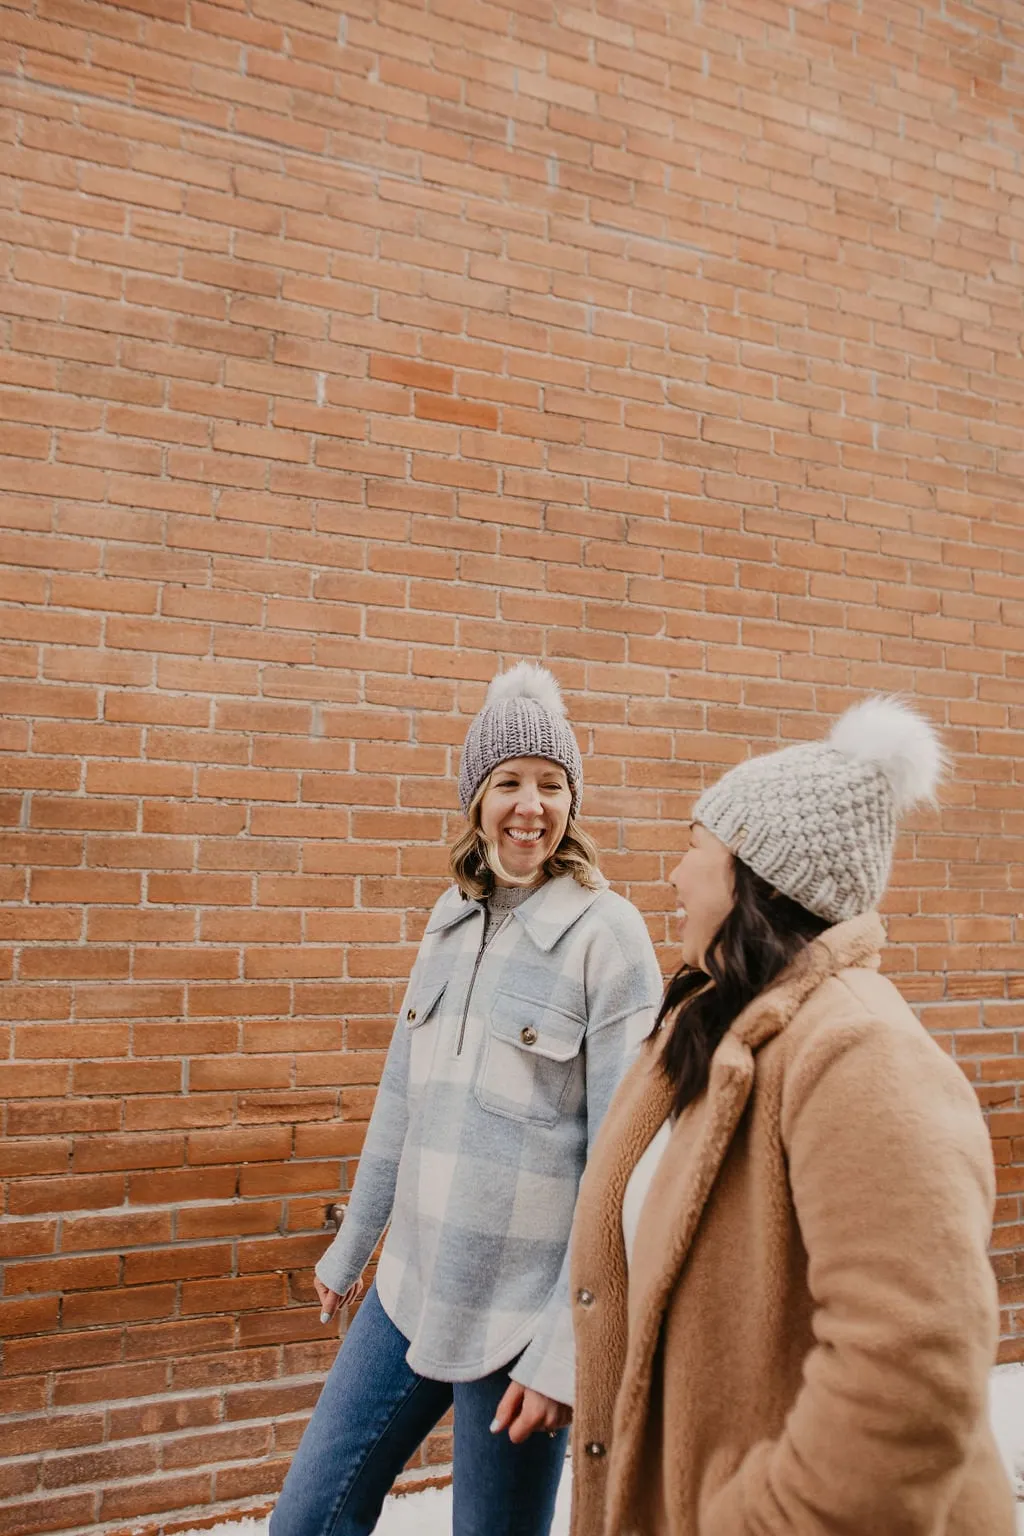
x=502 y=1064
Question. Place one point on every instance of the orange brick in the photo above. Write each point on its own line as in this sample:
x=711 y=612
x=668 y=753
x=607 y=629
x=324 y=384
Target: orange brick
x=89 y=1467
x=139 y=1498
x=21 y=1238
x=294 y=456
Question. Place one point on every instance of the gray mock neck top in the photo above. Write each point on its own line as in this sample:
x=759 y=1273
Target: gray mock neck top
x=502 y=901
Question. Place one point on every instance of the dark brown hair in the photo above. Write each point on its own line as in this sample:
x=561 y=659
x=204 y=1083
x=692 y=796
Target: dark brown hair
x=763 y=932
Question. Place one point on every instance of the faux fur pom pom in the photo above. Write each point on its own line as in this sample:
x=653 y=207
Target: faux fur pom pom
x=901 y=742
x=529 y=681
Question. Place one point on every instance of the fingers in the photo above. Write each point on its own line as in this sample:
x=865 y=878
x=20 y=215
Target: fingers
x=529 y=1419
x=508 y=1408
x=535 y=1412
x=331 y=1302
x=328 y=1300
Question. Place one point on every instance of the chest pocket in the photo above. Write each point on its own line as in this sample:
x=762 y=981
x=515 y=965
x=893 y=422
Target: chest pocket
x=531 y=1068
x=420 y=1013
x=423 y=1001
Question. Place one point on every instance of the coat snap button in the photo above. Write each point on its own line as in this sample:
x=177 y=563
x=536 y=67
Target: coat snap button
x=595 y=1450
x=585 y=1298
x=528 y=1035
x=411 y=1015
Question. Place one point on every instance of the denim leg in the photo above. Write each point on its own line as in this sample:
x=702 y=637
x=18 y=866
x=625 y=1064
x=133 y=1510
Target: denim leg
x=372 y=1414
x=501 y=1489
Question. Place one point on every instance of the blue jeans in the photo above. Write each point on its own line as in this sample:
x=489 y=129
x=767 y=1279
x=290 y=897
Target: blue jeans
x=374 y=1412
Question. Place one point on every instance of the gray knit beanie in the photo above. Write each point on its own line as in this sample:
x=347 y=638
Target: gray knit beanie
x=523 y=716
x=818 y=821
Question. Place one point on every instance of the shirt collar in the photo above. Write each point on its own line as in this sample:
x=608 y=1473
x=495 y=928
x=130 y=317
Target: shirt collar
x=545 y=916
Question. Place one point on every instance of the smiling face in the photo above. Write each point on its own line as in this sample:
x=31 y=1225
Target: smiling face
x=705 y=889
x=523 y=815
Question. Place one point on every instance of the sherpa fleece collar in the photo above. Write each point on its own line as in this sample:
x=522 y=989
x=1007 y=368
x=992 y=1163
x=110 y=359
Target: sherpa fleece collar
x=856 y=942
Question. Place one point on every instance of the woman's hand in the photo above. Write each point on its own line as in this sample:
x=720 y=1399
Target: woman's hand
x=330 y=1301
x=522 y=1412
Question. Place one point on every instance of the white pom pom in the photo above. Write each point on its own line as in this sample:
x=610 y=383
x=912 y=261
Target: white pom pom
x=901 y=742
x=527 y=681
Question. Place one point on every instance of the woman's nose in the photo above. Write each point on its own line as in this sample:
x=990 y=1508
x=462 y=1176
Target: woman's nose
x=528 y=802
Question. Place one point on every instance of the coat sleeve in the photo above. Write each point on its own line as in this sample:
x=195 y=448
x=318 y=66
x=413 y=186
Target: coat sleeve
x=893 y=1187
x=623 y=994
x=369 y=1208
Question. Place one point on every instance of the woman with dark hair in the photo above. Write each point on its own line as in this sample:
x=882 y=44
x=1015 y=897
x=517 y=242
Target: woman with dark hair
x=533 y=987
x=785 y=1313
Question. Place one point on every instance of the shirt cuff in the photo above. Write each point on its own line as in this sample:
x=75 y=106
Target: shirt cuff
x=337 y=1269
x=550 y=1374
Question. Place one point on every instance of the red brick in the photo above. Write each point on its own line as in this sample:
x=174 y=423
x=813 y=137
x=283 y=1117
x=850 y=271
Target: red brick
x=86 y=1468
x=230 y=1444
x=117 y=1230
x=19 y=1239
x=62 y=1274
x=47 y=1514
x=63 y=1351
x=28 y=1196
x=177 y=1263
x=242 y=1482
x=163 y=1417
x=299 y=452
x=176 y=1339
x=234 y=1220
x=154 y=1496
x=109 y=1384
x=31 y=1315
x=216 y=1370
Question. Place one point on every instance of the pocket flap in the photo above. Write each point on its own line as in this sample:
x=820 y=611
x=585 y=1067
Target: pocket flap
x=422 y=1001
x=537 y=1027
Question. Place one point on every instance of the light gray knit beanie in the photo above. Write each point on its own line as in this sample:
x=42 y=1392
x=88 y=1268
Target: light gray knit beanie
x=818 y=820
x=523 y=716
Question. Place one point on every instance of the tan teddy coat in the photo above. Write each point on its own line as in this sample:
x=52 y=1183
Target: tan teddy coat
x=803 y=1343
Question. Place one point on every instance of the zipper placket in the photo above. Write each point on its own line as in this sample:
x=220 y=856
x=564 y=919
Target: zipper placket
x=484 y=941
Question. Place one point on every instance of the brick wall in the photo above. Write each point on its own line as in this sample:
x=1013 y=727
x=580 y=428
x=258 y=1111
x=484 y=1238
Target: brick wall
x=351 y=349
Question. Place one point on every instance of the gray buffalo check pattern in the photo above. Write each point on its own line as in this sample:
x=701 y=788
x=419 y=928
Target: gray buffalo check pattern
x=500 y=1070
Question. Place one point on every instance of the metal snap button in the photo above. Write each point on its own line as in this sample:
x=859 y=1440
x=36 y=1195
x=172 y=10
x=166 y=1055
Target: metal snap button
x=411 y=1015
x=585 y=1298
x=528 y=1035
x=595 y=1450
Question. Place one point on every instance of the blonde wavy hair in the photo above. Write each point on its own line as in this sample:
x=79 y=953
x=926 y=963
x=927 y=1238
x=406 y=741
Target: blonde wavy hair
x=474 y=861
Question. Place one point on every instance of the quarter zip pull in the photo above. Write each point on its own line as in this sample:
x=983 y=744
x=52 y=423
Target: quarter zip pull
x=485 y=939
x=472 y=984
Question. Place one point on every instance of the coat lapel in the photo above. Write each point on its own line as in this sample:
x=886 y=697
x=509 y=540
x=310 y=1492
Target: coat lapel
x=683 y=1186
x=683 y=1194
x=853 y=943
x=640 y=1105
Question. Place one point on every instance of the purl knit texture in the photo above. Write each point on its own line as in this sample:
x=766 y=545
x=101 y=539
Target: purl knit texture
x=815 y=825
x=517 y=724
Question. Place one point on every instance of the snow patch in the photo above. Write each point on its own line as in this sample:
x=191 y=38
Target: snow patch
x=1006 y=1406
x=430 y=1513
x=416 y=1514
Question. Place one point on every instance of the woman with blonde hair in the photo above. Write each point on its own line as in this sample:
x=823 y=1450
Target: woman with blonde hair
x=785 y=1310
x=532 y=989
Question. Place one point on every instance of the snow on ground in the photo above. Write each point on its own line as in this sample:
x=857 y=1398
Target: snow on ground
x=1006 y=1401
x=430 y=1513
x=417 y=1514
